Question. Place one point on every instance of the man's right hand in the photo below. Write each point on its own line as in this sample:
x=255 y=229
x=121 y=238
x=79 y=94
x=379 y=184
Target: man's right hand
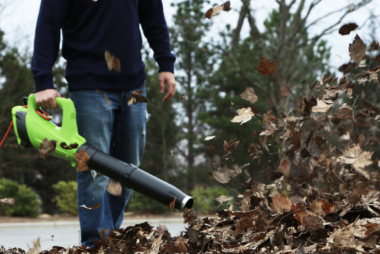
x=46 y=98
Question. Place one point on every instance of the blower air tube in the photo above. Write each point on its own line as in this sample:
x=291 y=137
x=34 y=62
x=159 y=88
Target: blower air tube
x=132 y=177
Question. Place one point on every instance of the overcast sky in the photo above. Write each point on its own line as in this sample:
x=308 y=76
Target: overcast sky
x=18 y=21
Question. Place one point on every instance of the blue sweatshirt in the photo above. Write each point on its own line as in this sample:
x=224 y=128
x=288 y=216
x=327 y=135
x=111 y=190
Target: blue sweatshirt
x=89 y=28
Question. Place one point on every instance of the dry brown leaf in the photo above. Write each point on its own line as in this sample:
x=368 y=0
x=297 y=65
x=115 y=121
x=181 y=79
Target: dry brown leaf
x=284 y=91
x=284 y=167
x=136 y=96
x=209 y=138
x=36 y=247
x=68 y=147
x=156 y=245
x=114 y=188
x=7 y=201
x=263 y=143
x=230 y=146
x=103 y=94
x=322 y=106
x=113 y=63
x=47 y=148
x=82 y=158
x=190 y=216
x=238 y=169
x=217 y=9
x=223 y=174
x=369 y=76
x=172 y=204
x=249 y=95
x=346 y=68
x=266 y=67
x=281 y=204
x=357 y=49
x=96 y=206
x=344 y=112
x=347 y=28
x=374 y=46
x=183 y=97
x=268 y=118
x=244 y=115
x=357 y=158
x=210 y=150
x=161 y=229
x=222 y=199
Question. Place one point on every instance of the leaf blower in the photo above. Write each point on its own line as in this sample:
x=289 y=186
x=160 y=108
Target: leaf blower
x=32 y=126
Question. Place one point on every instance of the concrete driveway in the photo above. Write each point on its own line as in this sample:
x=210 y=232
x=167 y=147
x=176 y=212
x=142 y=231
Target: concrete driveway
x=65 y=233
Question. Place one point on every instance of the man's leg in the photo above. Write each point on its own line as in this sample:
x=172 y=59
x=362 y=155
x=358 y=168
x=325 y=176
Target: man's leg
x=128 y=145
x=95 y=123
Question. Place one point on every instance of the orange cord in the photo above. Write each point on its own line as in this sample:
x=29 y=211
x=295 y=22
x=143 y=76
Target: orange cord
x=6 y=134
x=40 y=112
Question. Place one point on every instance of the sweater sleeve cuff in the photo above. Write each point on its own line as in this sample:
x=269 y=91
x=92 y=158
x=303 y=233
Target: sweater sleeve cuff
x=44 y=82
x=166 y=64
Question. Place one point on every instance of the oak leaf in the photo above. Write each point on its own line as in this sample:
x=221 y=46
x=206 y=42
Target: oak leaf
x=244 y=115
x=222 y=199
x=266 y=67
x=357 y=49
x=223 y=174
x=249 y=95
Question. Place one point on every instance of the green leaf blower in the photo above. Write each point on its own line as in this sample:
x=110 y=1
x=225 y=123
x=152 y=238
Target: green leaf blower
x=32 y=127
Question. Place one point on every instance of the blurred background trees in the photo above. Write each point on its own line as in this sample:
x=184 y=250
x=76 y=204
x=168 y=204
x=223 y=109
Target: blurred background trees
x=212 y=70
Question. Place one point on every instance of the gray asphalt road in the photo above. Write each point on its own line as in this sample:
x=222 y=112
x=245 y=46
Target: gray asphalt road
x=20 y=236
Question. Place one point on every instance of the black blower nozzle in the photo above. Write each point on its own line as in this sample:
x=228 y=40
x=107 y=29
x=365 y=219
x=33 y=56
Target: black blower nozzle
x=132 y=177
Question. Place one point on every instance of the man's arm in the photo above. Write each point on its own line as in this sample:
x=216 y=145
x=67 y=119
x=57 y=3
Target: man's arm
x=156 y=31
x=51 y=18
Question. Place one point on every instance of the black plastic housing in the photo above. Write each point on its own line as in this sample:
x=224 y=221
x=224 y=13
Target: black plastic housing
x=21 y=129
x=132 y=177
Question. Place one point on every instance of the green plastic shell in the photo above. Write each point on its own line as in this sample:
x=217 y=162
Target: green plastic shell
x=38 y=128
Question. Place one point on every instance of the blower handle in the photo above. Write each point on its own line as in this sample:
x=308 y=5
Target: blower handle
x=66 y=136
x=69 y=122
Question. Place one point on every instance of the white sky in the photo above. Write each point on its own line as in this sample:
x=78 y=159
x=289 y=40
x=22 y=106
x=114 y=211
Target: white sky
x=18 y=21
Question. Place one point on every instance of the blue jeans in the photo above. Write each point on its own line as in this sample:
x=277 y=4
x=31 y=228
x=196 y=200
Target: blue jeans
x=115 y=128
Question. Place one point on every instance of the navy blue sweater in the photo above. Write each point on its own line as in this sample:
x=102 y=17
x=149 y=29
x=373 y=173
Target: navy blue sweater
x=89 y=28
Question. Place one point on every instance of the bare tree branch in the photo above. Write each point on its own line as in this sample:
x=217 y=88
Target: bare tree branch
x=255 y=33
x=361 y=4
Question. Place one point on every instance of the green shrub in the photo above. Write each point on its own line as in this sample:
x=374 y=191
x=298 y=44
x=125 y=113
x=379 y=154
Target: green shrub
x=204 y=199
x=66 y=199
x=27 y=202
x=139 y=203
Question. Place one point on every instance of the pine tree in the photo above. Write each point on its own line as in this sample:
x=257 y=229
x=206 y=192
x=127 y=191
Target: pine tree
x=193 y=67
x=228 y=83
